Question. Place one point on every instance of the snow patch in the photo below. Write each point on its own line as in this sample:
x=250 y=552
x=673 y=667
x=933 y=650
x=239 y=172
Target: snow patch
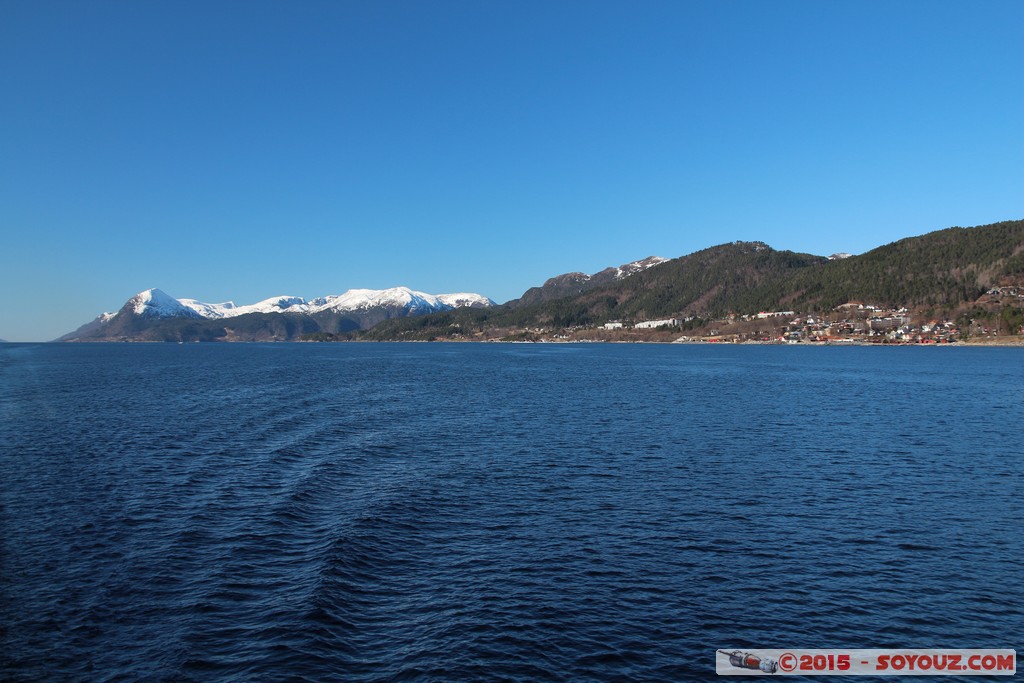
x=637 y=266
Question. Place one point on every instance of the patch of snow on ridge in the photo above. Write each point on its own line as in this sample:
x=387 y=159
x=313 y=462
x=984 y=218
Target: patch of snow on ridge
x=637 y=266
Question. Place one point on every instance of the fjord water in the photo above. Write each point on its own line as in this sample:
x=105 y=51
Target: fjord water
x=499 y=512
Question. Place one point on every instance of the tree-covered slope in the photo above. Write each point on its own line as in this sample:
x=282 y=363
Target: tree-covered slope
x=702 y=283
x=944 y=268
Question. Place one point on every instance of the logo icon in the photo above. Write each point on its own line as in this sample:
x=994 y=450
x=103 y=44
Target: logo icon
x=745 y=660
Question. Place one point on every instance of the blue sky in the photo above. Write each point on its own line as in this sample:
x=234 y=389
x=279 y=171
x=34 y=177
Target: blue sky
x=240 y=150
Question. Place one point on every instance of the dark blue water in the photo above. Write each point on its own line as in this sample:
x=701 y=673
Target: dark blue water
x=499 y=512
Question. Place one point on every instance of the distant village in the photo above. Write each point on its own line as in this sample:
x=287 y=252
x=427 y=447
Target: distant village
x=852 y=323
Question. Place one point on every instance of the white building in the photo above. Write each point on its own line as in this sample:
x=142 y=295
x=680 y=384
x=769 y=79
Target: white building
x=648 y=324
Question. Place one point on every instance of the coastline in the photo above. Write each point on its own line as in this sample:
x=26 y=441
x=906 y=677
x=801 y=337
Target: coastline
x=994 y=342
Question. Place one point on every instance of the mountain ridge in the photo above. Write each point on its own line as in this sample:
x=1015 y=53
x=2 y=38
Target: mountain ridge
x=568 y=284
x=153 y=315
x=945 y=270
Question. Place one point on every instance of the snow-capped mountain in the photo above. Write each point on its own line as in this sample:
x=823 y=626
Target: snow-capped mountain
x=154 y=314
x=228 y=309
x=154 y=303
x=398 y=297
x=465 y=300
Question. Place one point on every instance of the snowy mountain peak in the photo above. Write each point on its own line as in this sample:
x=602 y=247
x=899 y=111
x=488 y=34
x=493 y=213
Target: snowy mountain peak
x=396 y=297
x=155 y=303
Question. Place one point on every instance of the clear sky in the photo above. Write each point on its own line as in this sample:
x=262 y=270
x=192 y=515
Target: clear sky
x=240 y=150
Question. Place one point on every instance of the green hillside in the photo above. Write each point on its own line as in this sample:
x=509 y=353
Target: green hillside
x=946 y=269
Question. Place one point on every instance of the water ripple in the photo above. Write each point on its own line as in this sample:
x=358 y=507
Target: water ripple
x=395 y=513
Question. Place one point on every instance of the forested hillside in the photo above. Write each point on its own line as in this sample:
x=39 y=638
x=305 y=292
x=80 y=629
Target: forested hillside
x=945 y=269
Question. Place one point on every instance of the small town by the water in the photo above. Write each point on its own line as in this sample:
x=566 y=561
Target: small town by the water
x=851 y=323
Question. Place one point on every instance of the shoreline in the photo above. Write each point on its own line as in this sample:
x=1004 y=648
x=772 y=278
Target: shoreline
x=1003 y=342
